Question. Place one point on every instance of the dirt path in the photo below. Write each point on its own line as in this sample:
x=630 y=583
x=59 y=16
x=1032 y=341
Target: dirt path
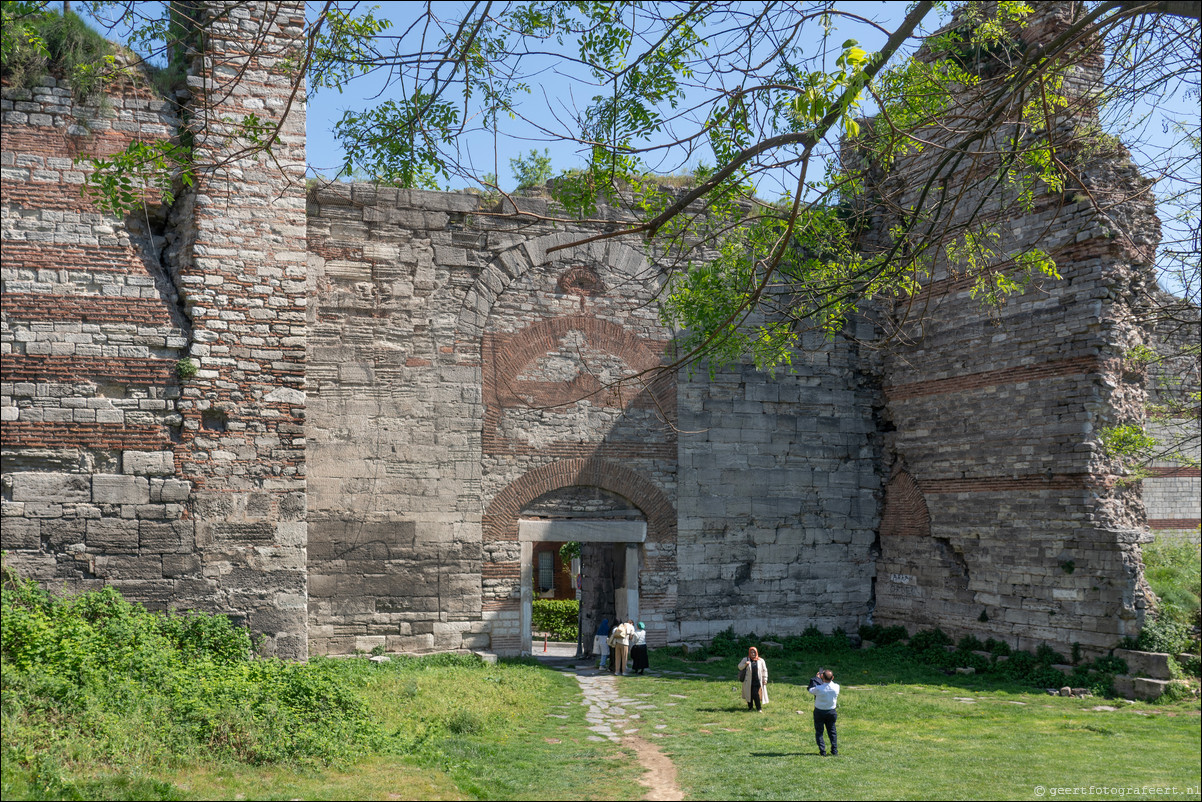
x=616 y=718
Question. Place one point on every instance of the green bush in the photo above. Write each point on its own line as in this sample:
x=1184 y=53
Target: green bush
x=970 y=643
x=1047 y=656
x=1164 y=634
x=997 y=647
x=930 y=639
x=1174 y=571
x=559 y=617
x=105 y=672
x=883 y=636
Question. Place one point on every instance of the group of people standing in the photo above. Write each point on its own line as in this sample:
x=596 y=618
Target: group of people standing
x=624 y=642
x=753 y=672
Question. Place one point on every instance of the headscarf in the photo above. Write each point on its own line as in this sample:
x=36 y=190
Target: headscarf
x=642 y=625
x=603 y=630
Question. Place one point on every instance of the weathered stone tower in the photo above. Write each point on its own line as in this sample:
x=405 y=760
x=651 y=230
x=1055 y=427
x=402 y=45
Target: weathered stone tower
x=183 y=492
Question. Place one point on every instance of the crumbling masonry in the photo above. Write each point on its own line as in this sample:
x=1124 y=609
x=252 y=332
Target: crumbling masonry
x=398 y=395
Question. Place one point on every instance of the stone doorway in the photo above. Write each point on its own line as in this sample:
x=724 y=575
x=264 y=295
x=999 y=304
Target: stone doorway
x=622 y=539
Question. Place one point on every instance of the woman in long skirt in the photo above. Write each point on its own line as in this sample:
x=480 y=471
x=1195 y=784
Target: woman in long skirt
x=638 y=651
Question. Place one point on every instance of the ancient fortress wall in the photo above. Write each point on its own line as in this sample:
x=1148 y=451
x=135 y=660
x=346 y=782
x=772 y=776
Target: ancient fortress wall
x=400 y=392
x=468 y=371
x=1001 y=513
x=183 y=493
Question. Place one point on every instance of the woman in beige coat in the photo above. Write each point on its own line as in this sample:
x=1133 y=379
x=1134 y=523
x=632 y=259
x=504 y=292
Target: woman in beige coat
x=755 y=680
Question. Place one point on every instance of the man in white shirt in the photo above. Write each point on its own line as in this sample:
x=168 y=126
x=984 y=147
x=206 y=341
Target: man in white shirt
x=826 y=694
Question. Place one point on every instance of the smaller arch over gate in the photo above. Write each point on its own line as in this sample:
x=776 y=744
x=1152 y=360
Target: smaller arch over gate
x=650 y=542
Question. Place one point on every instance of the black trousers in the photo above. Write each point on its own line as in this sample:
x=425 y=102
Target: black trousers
x=827 y=719
x=755 y=703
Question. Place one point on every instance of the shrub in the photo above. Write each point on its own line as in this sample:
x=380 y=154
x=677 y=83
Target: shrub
x=929 y=639
x=997 y=647
x=187 y=682
x=1164 y=634
x=970 y=643
x=883 y=636
x=1046 y=655
x=559 y=617
x=37 y=41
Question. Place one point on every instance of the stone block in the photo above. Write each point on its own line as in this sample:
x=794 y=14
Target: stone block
x=148 y=463
x=155 y=536
x=51 y=487
x=1154 y=665
x=1149 y=689
x=177 y=565
x=20 y=533
x=120 y=567
x=112 y=535
x=120 y=489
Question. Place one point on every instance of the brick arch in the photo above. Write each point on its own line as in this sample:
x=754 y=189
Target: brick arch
x=501 y=517
x=905 y=510
x=517 y=261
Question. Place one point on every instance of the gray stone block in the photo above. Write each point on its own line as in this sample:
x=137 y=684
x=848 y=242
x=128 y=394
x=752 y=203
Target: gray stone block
x=112 y=535
x=20 y=533
x=51 y=487
x=119 y=489
x=1154 y=665
x=148 y=463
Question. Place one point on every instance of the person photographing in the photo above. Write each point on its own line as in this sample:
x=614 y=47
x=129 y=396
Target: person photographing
x=826 y=694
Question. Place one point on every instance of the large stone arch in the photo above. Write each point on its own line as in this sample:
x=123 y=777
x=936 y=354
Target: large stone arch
x=517 y=261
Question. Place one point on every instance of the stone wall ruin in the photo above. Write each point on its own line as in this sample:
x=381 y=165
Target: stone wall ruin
x=400 y=391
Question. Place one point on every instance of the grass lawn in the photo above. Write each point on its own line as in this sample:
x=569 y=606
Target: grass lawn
x=517 y=730
x=907 y=732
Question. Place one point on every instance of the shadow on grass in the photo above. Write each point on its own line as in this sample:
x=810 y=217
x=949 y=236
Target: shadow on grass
x=784 y=754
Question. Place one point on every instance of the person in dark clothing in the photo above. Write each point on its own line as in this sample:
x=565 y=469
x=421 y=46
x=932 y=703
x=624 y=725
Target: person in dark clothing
x=638 y=651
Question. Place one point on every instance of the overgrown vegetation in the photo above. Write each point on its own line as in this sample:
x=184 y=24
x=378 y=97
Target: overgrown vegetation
x=103 y=699
x=105 y=678
x=36 y=41
x=1173 y=569
x=558 y=617
x=934 y=649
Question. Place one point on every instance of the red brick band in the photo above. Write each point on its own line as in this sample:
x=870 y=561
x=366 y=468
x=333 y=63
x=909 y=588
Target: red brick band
x=93 y=258
x=1173 y=472
x=123 y=370
x=1174 y=523
x=1033 y=482
x=86 y=309
x=991 y=378
x=86 y=435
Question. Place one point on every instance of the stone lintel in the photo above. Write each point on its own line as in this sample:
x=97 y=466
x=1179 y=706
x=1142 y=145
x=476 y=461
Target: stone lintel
x=585 y=531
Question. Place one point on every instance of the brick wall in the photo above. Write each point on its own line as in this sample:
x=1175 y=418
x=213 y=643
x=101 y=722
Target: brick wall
x=1004 y=517
x=181 y=493
x=239 y=239
x=90 y=333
